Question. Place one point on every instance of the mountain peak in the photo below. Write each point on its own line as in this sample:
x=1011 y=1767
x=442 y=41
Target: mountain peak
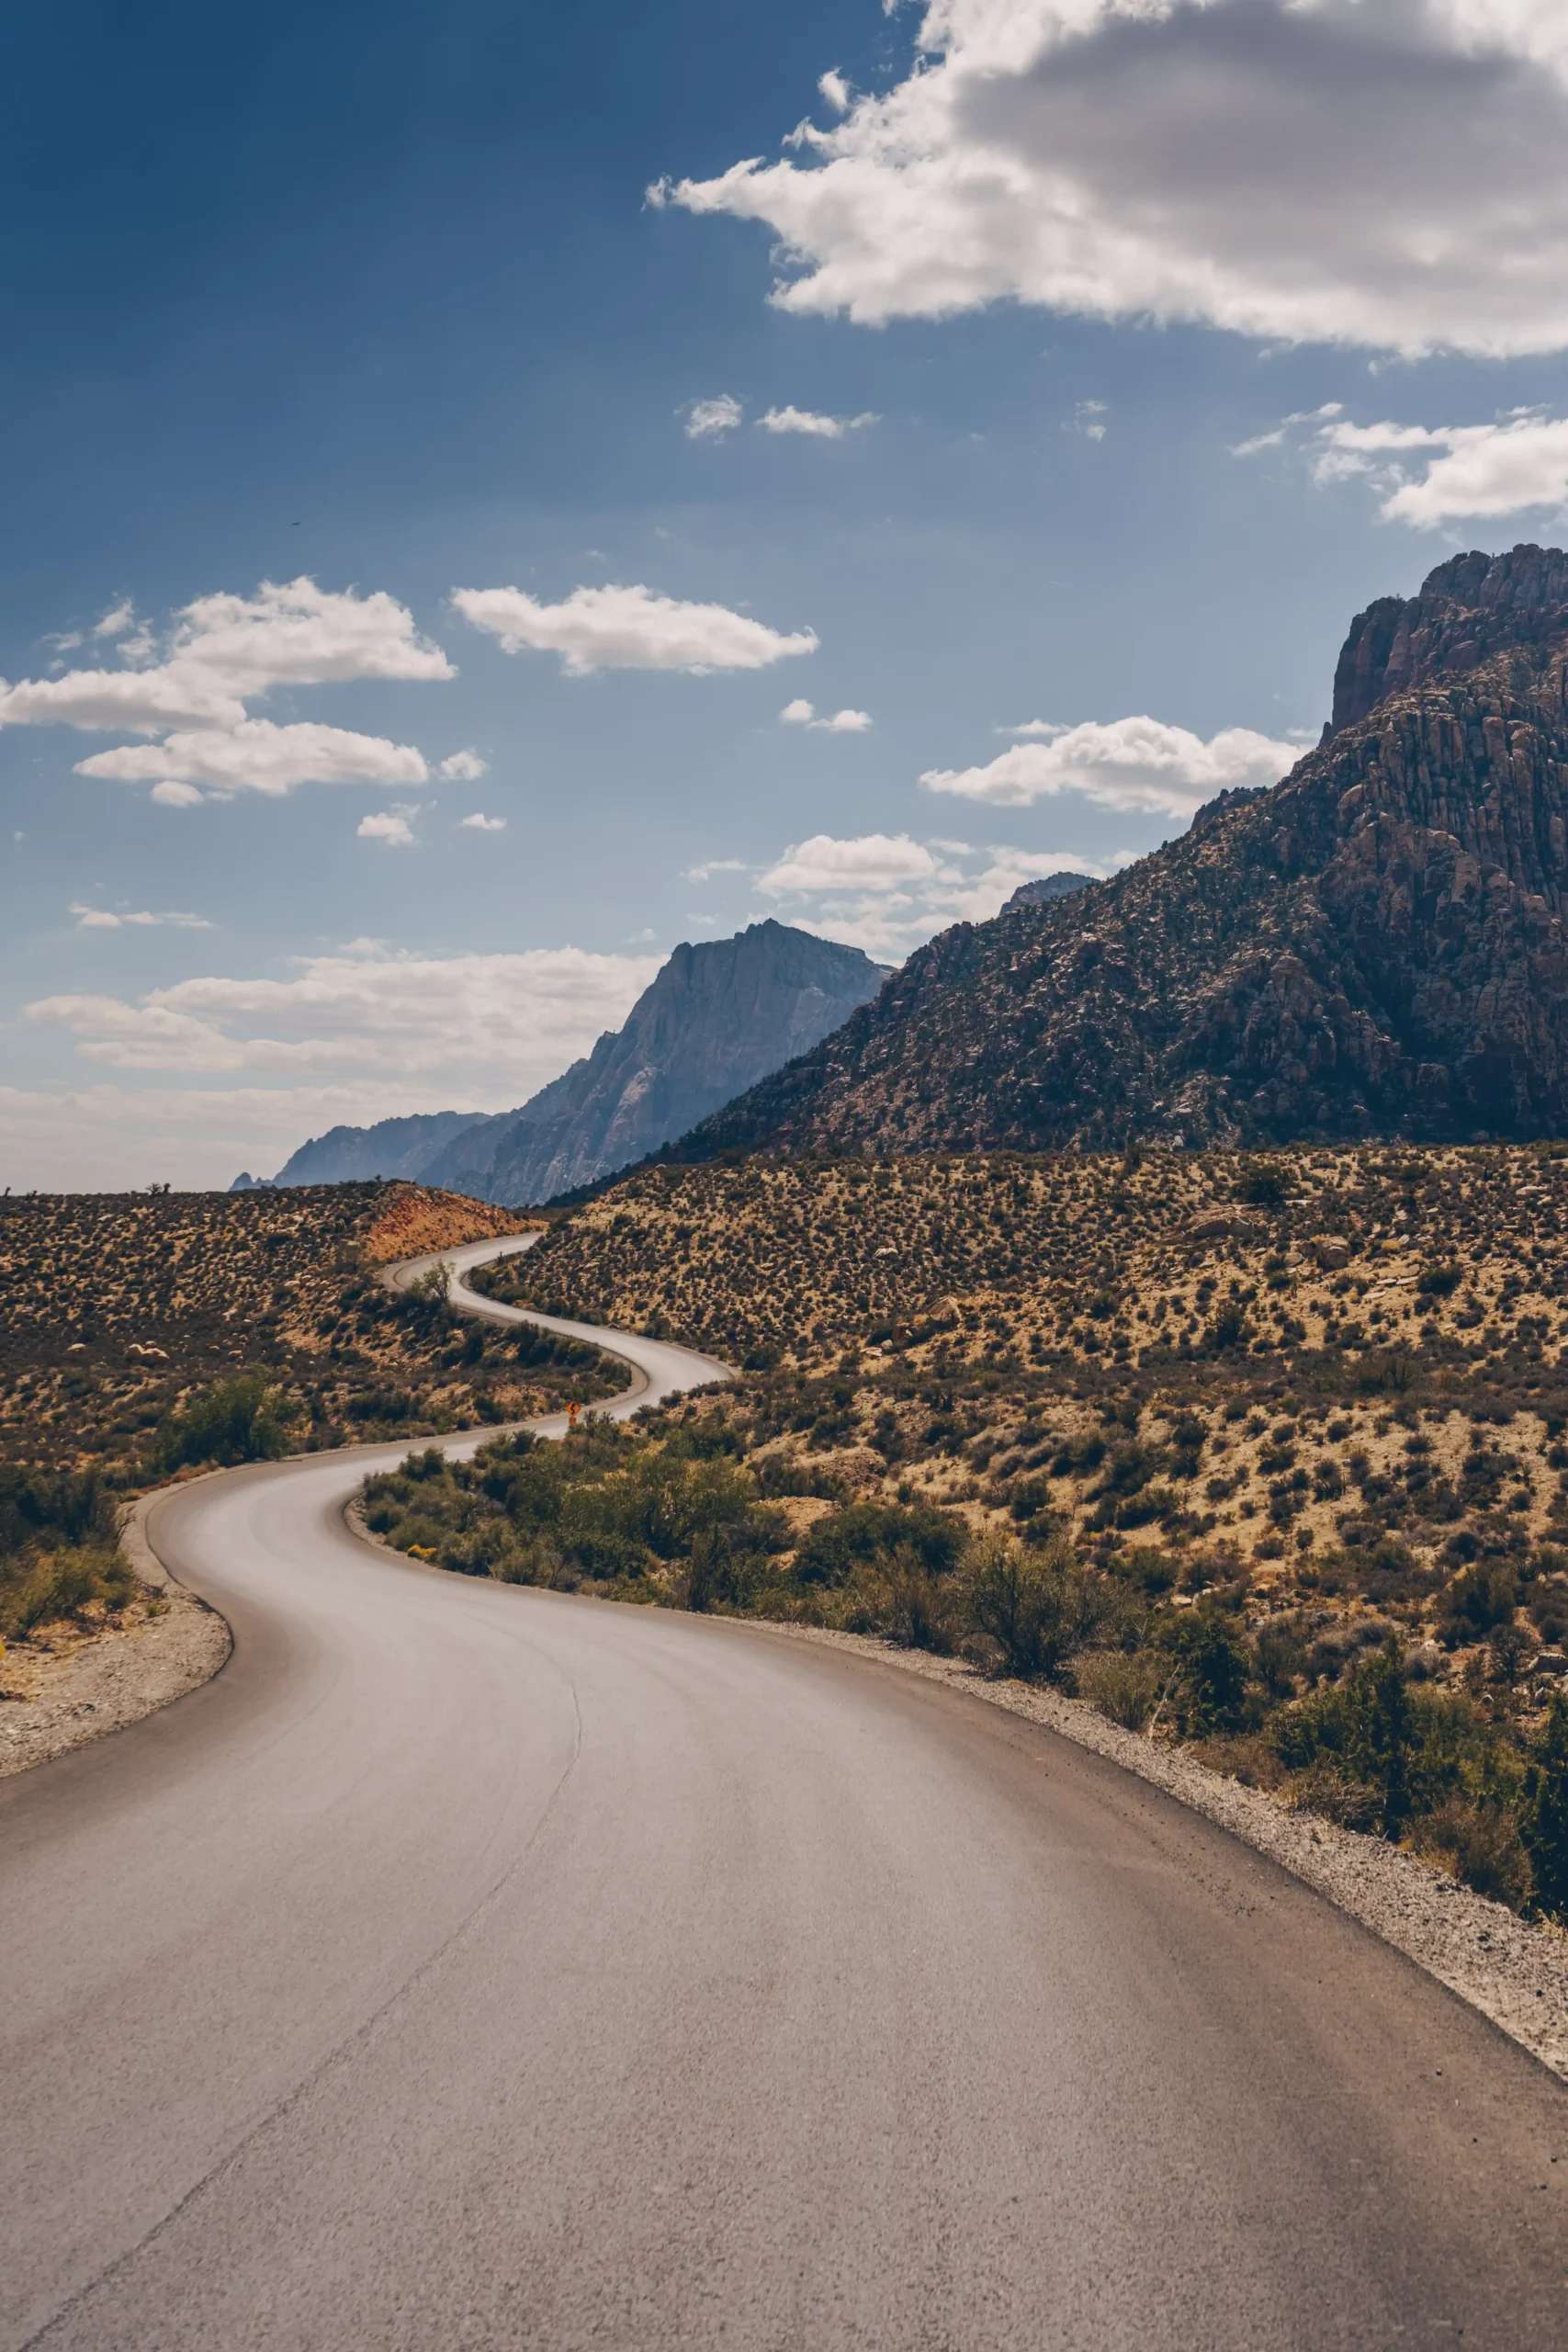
x=1467 y=611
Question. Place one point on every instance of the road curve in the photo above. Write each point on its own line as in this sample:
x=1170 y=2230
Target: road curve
x=469 y=1966
x=657 y=1368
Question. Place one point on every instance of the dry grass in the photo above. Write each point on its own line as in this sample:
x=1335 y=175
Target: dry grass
x=1222 y=1373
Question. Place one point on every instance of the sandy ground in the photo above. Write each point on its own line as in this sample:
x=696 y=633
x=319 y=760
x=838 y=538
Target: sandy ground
x=82 y=1685
x=57 y=1699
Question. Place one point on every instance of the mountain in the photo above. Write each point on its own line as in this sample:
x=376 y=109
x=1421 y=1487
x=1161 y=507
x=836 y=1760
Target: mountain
x=1374 y=946
x=716 y=1017
x=355 y=1154
x=1041 y=892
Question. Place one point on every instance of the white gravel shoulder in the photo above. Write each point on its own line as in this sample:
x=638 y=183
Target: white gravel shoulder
x=119 y=1676
x=1515 y=1974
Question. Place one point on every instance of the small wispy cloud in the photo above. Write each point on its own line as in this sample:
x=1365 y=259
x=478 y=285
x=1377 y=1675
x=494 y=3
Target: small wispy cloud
x=104 y=919
x=708 y=419
x=464 y=767
x=813 y=423
x=478 y=823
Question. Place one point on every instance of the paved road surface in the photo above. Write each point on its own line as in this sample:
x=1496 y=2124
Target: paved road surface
x=473 y=1967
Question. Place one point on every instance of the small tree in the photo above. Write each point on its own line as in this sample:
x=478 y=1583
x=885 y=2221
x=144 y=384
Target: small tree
x=1544 y=1822
x=1214 y=1664
x=1380 y=1733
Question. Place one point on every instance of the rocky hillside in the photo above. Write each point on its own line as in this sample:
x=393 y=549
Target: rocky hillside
x=120 y=1308
x=1374 y=946
x=714 y=1020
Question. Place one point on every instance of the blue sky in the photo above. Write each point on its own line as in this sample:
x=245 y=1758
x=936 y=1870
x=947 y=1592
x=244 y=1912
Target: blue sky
x=374 y=300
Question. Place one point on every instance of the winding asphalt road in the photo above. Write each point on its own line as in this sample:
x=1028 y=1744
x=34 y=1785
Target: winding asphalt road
x=473 y=1967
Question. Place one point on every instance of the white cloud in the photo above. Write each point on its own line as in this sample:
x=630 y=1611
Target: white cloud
x=117 y=621
x=1128 y=763
x=714 y=866
x=629 y=629
x=1268 y=167
x=258 y=756
x=807 y=421
x=873 y=861
x=1428 y=475
x=708 y=419
x=482 y=824
x=464 y=767
x=173 y=793
x=226 y=650
x=501 y=1024
x=887 y=893
x=801 y=713
x=836 y=90
x=101 y=919
x=391 y=825
x=1089 y=418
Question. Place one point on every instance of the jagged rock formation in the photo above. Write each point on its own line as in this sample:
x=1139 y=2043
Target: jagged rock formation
x=356 y=1155
x=1469 y=609
x=718 y=1017
x=1374 y=946
x=1039 y=893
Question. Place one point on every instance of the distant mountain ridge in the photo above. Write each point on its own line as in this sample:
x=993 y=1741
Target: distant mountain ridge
x=356 y=1155
x=1374 y=946
x=716 y=1017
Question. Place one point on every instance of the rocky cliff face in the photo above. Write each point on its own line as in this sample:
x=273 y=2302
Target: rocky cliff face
x=718 y=1017
x=1469 y=610
x=1374 y=946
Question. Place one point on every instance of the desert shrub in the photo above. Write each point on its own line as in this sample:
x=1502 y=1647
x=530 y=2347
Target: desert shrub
x=1265 y=1185
x=1322 y=1789
x=63 y=1584
x=1479 y=1597
x=869 y=1535
x=1034 y=1607
x=1412 y=1749
x=908 y=1604
x=1209 y=1650
x=1281 y=1658
x=1543 y=1814
x=1126 y=1686
x=35 y=1505
x=245 y=1420
x=1480 y=1844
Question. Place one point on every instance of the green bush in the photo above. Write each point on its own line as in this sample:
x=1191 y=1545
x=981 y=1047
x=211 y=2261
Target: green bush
x=1211 y=1654
x=869 y=1535
x=1543 y=1818
x=1036 y=1608
x=245 y=1420
x=63 y=1585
